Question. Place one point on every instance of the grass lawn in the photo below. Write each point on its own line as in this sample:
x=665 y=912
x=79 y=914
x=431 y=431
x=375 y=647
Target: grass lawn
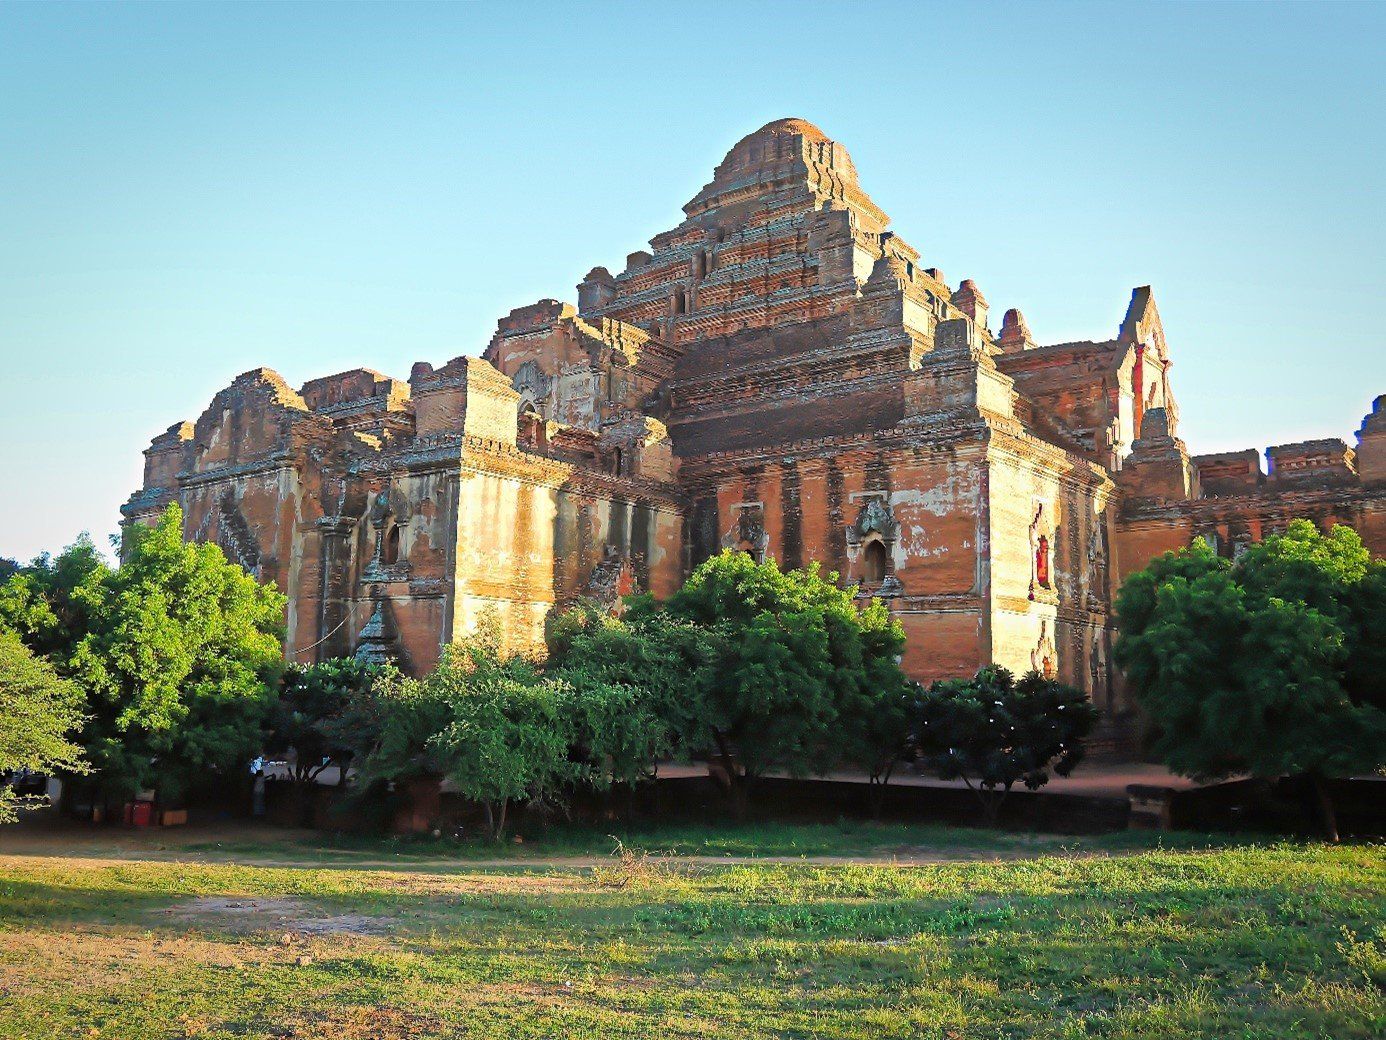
x=982 y=936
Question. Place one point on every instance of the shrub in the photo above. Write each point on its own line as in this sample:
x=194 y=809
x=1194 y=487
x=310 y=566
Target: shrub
x=497 y=728
x=992 y=732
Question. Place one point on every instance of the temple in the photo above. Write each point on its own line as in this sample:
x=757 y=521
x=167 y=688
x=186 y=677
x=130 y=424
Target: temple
x=780 y=373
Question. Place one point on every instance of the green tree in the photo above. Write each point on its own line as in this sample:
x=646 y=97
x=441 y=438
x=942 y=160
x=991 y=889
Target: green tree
x=993 y=731
x=38 y=601
x=178 y=657
x=637 y=678
x=325 y=714
x=495 y=727
x=1262 y=668
x=39 y=711
x=800 y=673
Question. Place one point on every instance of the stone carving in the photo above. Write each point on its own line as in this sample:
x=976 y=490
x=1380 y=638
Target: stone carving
x=532 y=384
x=1095 y=577
x=1044 y=657
x=874 y=516
x=1040 y=579
x=748 y=533
x=387 y=562
x=376 y=644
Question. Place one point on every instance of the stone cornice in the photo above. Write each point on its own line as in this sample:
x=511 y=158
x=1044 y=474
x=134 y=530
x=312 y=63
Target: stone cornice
x=275 y=463
x=1278 y=501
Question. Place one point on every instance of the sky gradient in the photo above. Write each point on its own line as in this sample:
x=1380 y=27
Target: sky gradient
x=193 y=191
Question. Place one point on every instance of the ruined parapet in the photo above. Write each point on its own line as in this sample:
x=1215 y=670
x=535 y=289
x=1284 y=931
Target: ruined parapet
x=596 y=290
x=958 y=380
x=1159 y=466
x=832 y=240
x=1324 y=462
x=360 y=389
x=888 y=302
x=258 y=417
x=467 y=397
x=1371 y=444
x=1015 y=333
x=538 y=315
x=168 y=455
x=1230 y=472
x=637 y=446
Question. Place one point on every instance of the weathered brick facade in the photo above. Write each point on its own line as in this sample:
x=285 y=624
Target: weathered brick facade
x=777 y=373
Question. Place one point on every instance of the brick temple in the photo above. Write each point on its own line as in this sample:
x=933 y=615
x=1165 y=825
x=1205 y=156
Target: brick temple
x=781 y=374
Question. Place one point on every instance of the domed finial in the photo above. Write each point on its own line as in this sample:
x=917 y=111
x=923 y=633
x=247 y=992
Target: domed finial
x=791 y=127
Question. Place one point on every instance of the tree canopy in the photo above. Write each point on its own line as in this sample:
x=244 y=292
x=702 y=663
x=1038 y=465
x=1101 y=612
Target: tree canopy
x=39 y=712
x=640 y=675
x=1269 y=666
x=175 y=651
x=801 y=671
x=39 y=601
x=993 y=731
x=325 y=714
x=496 y=727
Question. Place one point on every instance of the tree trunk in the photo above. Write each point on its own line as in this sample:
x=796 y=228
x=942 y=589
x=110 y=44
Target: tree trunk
x=991 y=808
x=1328 y=817
x=877 y=786
x=736 y=785
x=500 y=825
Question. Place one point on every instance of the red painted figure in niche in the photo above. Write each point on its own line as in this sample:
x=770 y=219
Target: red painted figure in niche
x=1042 y=562
x=625 y=581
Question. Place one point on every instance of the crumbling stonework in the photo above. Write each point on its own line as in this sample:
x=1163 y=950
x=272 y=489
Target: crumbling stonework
x=777 y=374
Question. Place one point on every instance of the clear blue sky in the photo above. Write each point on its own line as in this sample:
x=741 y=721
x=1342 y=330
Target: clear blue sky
x=187 y=192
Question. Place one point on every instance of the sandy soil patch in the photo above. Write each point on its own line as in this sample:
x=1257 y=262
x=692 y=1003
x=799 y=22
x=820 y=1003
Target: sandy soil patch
x=291 y=917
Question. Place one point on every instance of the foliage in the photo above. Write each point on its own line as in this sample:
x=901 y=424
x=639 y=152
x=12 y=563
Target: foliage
x=1268 y=667
x=1263 y=667
x=801 y=671
x=327 y=714
x=178 y=649
x=39 y=602
x=993 y=731
x=494 y=726
x=38 y=712
x=636 y=680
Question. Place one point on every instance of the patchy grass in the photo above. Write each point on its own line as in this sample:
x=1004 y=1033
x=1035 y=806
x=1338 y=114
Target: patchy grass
x=846 y=838
x=1280 y=941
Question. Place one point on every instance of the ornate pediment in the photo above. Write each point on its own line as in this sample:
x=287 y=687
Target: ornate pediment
x=532 y=384
x=748 y=532
x=873 y=518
